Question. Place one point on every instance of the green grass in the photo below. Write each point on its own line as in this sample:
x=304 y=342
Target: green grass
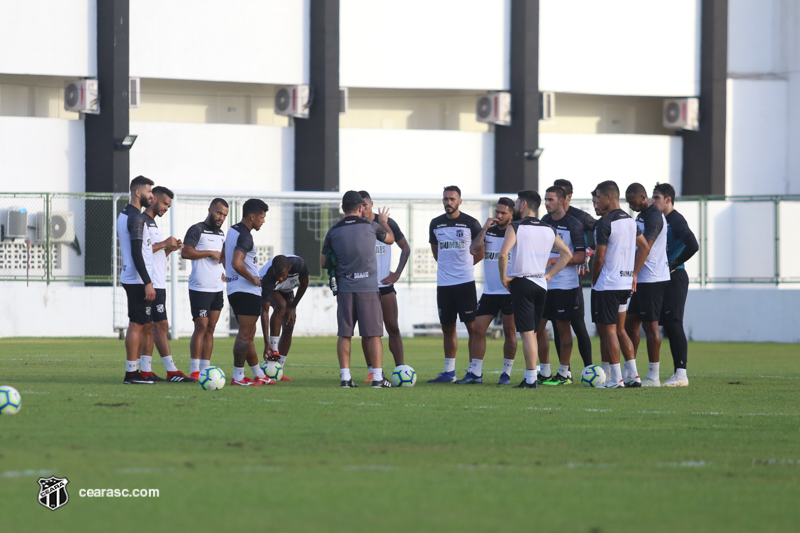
x=720 y=455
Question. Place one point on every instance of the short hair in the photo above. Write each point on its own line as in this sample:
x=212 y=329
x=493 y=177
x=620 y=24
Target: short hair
x=607 y=187
x=280 y=263
x=666 y=190
x=531 y=197
x=163 y=191
x=506 y=201
x=453 y=188
x=140 y=182
x=635 y=188
x=218 y=201
x=564 y=184
x=558 y=190
x=254 y=206
x=365 y=195
x=351 y=200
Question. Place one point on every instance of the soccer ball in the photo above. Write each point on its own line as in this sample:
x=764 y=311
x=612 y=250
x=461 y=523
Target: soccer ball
x=593 y=376
x=212 y=378
x=404 y=376
x=273 y=369
x=10 y=400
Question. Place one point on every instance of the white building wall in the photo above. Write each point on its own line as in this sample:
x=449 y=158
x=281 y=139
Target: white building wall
x=50 y=37
x=625 y=47
x=424 y=44
x=265 y=41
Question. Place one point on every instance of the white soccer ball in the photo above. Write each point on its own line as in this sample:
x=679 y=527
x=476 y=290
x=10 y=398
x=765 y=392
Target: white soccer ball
x=404 y=376
x=10 y=400
x=212 y=378
x=593 y=376
x=273 y=369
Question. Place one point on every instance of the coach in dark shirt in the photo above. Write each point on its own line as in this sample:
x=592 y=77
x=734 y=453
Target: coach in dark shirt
x=352 y=241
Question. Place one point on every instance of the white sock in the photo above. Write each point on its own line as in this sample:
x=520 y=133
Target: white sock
x=169 y=364
x=283 y=360
x=680 y=372
x=530 y=375
x=616 y=373
x=146 y=362
x=450 y=364
x=563 y=369
x=630 y=366
x=257 y=372
x=606 y=369
x=370 y=370
x=377 y=374
x=507 y=365
x=477 y=367
x=205 y=363
x=238 y=373
x=131 y=366
x=273 y=342
x=544 y=370
x=194 y=365
x=653 y=371
x=344 y=373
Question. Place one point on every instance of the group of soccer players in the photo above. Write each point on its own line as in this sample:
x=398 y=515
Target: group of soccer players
x=532 y=276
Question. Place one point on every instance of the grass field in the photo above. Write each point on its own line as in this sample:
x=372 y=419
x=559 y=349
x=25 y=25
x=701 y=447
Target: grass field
x=720 y=455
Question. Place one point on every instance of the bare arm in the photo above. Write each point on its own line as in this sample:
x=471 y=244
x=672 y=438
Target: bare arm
x=502 y=260
x=383 y=220
x=300 y=292
x=241 y=269
x=435 y=250
x=404 y=254
x=642 y=251
x=322 y=260
x=597 y=263
x=565 y=256
x=480 y=239
x=189 y=252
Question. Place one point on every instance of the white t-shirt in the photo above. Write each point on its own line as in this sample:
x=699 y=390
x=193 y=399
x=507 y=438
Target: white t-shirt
x=131 y=227
x=617 y=231
x=206 y=273
x=493 y=241
x=532 y=250
x=454 y=237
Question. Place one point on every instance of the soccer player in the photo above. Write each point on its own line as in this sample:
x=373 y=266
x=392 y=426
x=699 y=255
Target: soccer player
x=279 y=277
x=203 y=245
x=645 y=306
x=681 y=246
x=495 y=297
x=526 y=275
x=137 y=265
x=578 y=323
x=620 y=254
x=244 y=290
x=352 y=241
x=563 y=301
x=158 y=333
x=451 y=236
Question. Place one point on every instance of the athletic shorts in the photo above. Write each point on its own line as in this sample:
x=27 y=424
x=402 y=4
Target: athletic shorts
x=562 y=304
x=387 y=290
x=202 y=303
x=140 y=311
x=160 y=306
x=528 y=300
x=363 y=308
x=675 y=297
x=607 y=305
x=458 y=300
x=287 y=296
x=491 y=304
x=245 y=303
x=647 y=300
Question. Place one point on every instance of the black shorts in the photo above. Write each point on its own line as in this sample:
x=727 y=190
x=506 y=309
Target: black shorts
x=563 y=304
x=491 y=304
x=607 y=305
x=675 y=297
x=245 y=304
x=270 y=299
x=363 y=308
x=647 y=300
x=387 y=290
x=140 y=311
x=202 y=303
x=458 y=300
x=529 y=300
x=160 y=306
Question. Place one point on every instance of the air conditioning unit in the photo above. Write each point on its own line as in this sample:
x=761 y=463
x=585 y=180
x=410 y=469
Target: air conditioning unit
x=344 y=99
x=682 y=114
x=62 y=227
x=134 y=92
x=547 y=105
x=82 y=96
x=494 y=108
x=293 y=101
x=16 y=224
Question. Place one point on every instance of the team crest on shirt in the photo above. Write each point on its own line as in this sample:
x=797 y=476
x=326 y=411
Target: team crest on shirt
x=459 y=233
x=53 y=492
